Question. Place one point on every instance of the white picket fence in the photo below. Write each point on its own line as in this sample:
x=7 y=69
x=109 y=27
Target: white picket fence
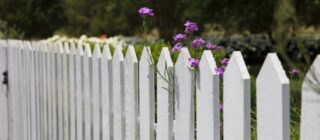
x=66 y=92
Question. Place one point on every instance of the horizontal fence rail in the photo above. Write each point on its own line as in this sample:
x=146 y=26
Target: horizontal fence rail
x=68 y=91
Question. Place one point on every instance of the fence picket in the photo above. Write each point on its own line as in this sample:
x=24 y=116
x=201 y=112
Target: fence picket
x=208 y=113
x=60 y=83
x=184 y=93
x=49 y=91
x=71 y=68
x=4 y=120
x=310 y=120
x=118 y=95
x=106 y=93
x=86 y=92
x=79 y=92
x=146 y=89
x=273 y=113
x=131 y=94
x=165 y=96
x=236 y=99
x=95 y=87
x=65 y=91
x=54 y=59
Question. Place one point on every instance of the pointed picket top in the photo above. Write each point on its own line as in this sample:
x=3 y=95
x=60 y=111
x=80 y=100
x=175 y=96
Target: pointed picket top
x=117 y=55
x=87 y=50
x=165 y=58
x=237 y=64
x=183 y=59
x=146 y=56
x=131 y=55
x=236 y=96
x=60 y=48
x=80 y=49
x=97 y=51
x=106 y=52
x=272 y=68
x=310 y=120
x=73 y=49
x=273 y=101
x=208 y=62
x=66 y=48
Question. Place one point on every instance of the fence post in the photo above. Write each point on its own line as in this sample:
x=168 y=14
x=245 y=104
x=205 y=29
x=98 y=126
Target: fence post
x=165 y=96
x=72 y=96
x=310 y=119
x=4 y=116
x=273 y=102
x=86 y=92
x=95 y=86
x=131 y=94
x=79 y=92
x=236 y=99
x=106 y=93
x=146 y=90
x=184 y=89
x=118 y=94
x=208 y=99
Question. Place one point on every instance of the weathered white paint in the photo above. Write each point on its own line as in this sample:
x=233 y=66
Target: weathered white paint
x=54 y=60
x=236 y=99
x=131 y=94
x=60 y=83
x=65 y=88
x=310 y=118
x=165 y=96
x=273 y=111
x=118 y=95
x=72 y=103
x=79 y=92
x=86 y=92
x=146 y=90
x=95 y=91
x=184 y=90
x=208 y=99
x=106 y=92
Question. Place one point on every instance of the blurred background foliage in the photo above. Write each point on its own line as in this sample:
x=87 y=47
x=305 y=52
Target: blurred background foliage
x=284 y=26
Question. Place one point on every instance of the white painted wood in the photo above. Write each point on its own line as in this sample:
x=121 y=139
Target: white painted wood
x=208 y=99
x=165 y=96
x=32 y=94
x=28 y=90
x=86 y=92
x=45 y=92
x=4 y=129
x=54 y=94
x=72 y=103
x=60 y=92
x=95 y=91
x=106 y=93
x=79 y=92
x=118 y=95
x=236 y=99
x=273 y=102
x=131 y=94
x=310 y=119
x=146 y=90
x=184 y=90
x=49 y=90
x=65 y=88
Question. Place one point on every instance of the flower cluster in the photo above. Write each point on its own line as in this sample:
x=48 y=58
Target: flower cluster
x=294 y=72
x=185 y=39
x=145 y=11
x=223 y=64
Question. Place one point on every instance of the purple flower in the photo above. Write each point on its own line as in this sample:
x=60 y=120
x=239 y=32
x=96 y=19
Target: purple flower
x=190 y=27
x=179 y=37
x=177 y=47
x=224 y=62
x=219 y=71
x=198 y=42
x=145 y=11
x=294 y=72
x=194 y=62
x=221 y=107
x=213 y=47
